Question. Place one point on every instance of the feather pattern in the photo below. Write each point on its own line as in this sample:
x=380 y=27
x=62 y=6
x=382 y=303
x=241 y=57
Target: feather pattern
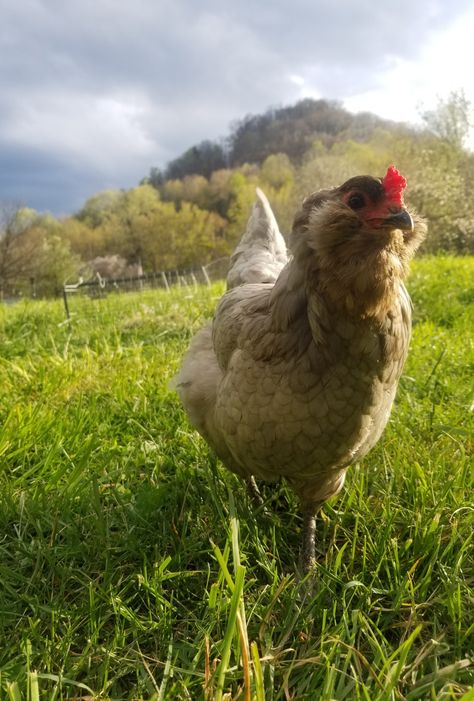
x=296 y=375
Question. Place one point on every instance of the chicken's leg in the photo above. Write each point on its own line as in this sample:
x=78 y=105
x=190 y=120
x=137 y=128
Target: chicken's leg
x=310 y=512
x=256 y=496
x=254 y=491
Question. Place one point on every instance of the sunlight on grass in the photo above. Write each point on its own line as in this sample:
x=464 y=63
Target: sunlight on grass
x=128 y=572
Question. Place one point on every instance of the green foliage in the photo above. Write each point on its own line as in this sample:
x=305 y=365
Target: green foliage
x=86 y=241
x=197 y=209
x=277 y=171
x=98 y=208
x=290 y=130
x=141 y=228
x=132 y=565
x=34 y=256
x=243 y=196
x=451 y=121
x=440 y=187
x=202 y=159
x=53 y=263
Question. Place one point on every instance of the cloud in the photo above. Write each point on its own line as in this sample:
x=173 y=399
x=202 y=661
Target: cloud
x=83 y=126
x=94 y=92
x=442 y=66
x=29 y=177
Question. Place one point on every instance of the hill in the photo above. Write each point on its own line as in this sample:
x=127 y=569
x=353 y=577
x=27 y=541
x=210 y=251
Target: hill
x=291 y=130
x=195 y=211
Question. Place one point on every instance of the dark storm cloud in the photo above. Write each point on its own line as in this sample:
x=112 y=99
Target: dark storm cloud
x=94 y=93
x=29 y=177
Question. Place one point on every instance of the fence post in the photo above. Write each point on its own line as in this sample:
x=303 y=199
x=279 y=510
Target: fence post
x=206 y=276
x=165 y=280
x=66 y=305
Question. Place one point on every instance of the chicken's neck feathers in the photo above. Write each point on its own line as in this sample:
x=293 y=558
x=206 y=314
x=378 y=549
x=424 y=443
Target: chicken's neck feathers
x=329 y=319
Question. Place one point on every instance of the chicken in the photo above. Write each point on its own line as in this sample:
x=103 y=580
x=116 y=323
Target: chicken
x=296 y=375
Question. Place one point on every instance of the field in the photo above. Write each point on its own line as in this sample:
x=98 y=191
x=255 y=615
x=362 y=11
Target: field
x=132 y=565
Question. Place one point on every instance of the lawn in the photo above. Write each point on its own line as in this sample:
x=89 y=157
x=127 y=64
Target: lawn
x=133 y=566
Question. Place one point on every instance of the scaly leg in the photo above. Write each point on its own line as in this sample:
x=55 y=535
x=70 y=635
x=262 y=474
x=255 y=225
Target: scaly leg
x=309 y=536
x=254 y=491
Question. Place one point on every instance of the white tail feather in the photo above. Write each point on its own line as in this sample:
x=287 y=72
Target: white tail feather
x=261 y=253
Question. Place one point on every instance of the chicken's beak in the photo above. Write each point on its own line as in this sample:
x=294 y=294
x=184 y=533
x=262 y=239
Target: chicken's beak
x=401 y=220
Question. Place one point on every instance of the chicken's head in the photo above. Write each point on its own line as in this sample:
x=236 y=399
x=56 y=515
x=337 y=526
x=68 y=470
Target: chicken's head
x=357 y=239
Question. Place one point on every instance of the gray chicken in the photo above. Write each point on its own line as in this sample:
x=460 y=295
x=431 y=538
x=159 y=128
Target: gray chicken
x=296 y=375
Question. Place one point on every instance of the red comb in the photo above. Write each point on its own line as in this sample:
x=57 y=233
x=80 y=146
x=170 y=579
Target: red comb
x=394 y=183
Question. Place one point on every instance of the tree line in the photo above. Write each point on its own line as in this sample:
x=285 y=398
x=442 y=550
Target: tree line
x=195 y=211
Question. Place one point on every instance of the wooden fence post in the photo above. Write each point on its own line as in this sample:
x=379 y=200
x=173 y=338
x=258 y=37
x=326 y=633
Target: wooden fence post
x=66 y=305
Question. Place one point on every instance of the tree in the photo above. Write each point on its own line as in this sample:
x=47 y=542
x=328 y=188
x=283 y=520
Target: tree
x=126 y=228
x=290 y=130
x=220 y=191
x=242 y=199
x=196 y=190
x=440 y=188
x=451 y=121
x=35 y=257
x=157 y=235
x=186 y=238
x=85 y=241
x=53 y=263
x=172 y=191
x=98 y=208
x=202 y=159
x=16 y=250
x=277 y=170
x=155 y=178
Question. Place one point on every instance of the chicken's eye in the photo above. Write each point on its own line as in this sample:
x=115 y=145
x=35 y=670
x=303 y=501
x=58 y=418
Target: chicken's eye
x=356 y=201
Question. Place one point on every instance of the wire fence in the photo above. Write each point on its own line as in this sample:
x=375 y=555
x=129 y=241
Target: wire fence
x=89 y=297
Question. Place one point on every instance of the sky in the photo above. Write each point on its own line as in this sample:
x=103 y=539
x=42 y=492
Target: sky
x=94 y=93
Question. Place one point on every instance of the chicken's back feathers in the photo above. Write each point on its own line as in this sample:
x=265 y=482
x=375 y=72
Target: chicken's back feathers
x=261 y=253
x=254 y=267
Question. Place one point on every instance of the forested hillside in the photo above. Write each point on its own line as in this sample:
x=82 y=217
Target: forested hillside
x=194 y=210
x=289 y=130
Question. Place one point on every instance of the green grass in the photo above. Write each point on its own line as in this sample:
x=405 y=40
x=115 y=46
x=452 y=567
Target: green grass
x=133 y=567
